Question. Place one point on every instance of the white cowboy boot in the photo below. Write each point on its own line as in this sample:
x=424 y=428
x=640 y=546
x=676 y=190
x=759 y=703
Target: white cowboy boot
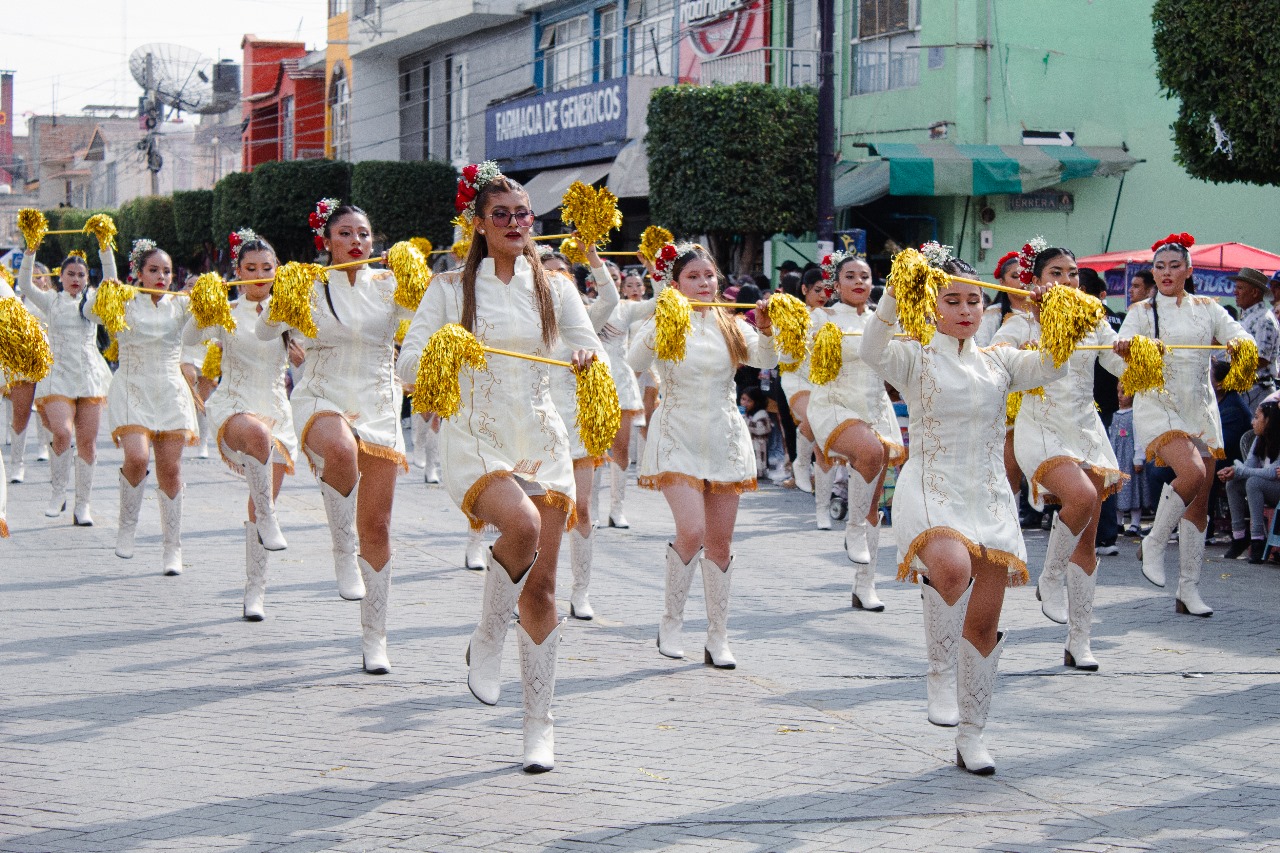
x=417 y=427
x=1151 y=551
x=373 y=617
x=976 y=686
x=942 y=628
x=822 y=495
x=171 y=528
x=255 y=574
x=538 y=678
x=17 y=457
x=431 y=454
x=130 y=504
x=484 y=651
x=258 y=476
x=1080 y=589
x=864 y=577
x=676 y=592
x=59 y=473
x=1051 y=587
x=861 y=493
x=84 y=486
x=474 y=556
x=802 y=468
x=42 y=441
x=715 y=591
x=341 y=510
x=202 y=427
x=1190 y=562
x=617 y=492
x=580 y=550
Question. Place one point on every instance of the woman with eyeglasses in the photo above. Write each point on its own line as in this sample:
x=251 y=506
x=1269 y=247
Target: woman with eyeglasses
x=508 y=460
x=346 y=408
x=816 y=292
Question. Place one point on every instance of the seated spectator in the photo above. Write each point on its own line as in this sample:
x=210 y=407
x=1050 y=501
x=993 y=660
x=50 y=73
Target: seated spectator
x=1253 y=485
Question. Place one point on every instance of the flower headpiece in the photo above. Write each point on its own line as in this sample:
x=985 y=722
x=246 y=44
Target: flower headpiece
x=320 y=217
x=137 y=253
x=936 y=253
x=831 y=263
x=239 y=238
x=545 y=251
x=1027 y=258
x=78 y=253
x=474 y=178
x=665 y=261
x=1184 y=240
x=1008 y=256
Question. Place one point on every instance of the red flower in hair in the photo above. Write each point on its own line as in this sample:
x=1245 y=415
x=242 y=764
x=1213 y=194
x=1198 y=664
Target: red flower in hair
x=1009 y=256
x=466 y=195
x=1184 y=239
x=319 y=243
x=314 y=220
x=469 y=172
x=234 y=239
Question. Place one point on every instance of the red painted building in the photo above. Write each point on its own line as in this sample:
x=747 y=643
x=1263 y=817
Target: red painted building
x=284 y=103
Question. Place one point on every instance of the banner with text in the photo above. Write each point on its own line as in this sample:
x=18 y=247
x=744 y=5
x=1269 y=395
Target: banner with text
x=574 y=118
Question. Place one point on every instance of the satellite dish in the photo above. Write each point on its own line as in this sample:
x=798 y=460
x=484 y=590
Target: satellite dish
x=181 y=78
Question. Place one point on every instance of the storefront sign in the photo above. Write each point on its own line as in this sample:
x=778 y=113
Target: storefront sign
x=1043 y=201
x=715 y=28
x=575 y=118
x=1208 y=282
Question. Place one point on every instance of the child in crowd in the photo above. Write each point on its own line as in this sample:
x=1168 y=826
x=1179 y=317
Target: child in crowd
x=754 y=407
x=1134 y=495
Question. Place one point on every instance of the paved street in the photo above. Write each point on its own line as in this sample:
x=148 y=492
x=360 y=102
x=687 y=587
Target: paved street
x=140 y=713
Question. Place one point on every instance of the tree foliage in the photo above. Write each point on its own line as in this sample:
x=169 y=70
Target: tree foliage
x=193 y=224
x=735 y=159
x=284 y=194
x=232 y=205
x=409 y=199
x=1219 y=58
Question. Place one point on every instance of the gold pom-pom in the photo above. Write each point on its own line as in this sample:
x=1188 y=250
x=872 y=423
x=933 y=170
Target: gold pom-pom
x=1067 y=316
x=592 y=213
x=673 y=318
x=436 y=387
x=423 y=245
x=103 y=227
x=209 y=303
x=573 y=250
x=402 y=330
x=1244 y=365
x=112 y=352
x=33 y=225
x=599 y=414
x=652 y=239
x=1012 y=405
x=6 y=275
x=1144 y=370
x=109 y=305
x=409 y=265
x=915 y=287
x=291 y=296
x=827 y=356
x=24 y=349
x=791 y=320
x=211 y=368
x=462 y=246
x=789 y=366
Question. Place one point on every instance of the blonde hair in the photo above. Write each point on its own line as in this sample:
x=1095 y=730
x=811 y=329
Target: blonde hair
x=733 y=337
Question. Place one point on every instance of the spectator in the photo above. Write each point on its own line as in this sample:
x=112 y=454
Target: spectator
x=1132 y=496
x=1253 y=483
x=1251 y=288
x=1141 y=286
x=754 y=407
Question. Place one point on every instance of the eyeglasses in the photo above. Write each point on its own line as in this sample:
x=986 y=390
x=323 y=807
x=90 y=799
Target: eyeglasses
x=502 y=218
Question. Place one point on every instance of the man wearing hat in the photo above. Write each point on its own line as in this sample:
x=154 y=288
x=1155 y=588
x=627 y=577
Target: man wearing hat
x=1251 y=288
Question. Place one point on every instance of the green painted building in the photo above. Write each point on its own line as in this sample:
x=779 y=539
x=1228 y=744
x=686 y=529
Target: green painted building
x=951 y=111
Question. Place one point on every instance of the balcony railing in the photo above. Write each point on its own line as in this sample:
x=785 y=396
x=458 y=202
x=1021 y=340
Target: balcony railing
x=880 y=68
x=784 y=67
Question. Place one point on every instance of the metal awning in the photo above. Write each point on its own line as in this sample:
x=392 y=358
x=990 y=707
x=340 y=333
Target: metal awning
x=545 y=189
x=945 y=169
x=629 y=175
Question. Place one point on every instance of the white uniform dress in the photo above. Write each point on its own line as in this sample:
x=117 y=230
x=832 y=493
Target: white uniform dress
x=795 y=380
x=79 y=371
x=564 y=383
x=953 y=485
x=507 y=425
x=350 y=363
x=253 y=372
x=857 y=394
x=1187 y=406
x=697 y=435
x=1062 y=427
x=148 y=393
x=616 y=337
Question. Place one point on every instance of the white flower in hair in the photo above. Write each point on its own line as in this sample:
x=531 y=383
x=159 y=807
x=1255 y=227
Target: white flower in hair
x=140 y=248
x=936 y=253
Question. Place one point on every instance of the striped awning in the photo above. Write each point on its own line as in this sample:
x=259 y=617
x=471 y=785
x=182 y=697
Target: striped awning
x=944 y=169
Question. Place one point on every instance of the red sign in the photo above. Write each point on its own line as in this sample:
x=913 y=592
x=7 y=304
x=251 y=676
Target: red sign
x=715 y=28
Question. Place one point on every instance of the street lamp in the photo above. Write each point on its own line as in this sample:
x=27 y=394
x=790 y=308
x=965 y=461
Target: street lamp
x=217 y=160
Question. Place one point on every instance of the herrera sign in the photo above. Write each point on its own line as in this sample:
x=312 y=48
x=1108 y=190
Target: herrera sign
x=575 y=118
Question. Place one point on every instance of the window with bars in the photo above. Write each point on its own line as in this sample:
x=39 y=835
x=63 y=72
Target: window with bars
x=456 y=106
x=650 y=28
x=610 y=43
x=566 y=53
x=340 y=115
x=886 y=41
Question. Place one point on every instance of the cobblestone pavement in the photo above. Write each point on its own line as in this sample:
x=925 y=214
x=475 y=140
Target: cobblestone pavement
x=138 y=712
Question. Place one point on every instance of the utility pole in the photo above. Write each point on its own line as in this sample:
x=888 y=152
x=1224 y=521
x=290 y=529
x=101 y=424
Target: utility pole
x=153 y=112
x=826 y=121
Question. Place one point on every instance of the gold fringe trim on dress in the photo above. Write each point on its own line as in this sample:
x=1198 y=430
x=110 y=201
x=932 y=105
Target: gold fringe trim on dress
x=658 y=481
x=1037 y=494
x=4 y=529
x=1114 y=488
x=592 y=461
x=62 y=398
x=1153 y=449
x=276 y=443
x=559 y=500
x=1103 y=473
x=897 y=453
x=1017 y=569
x=473 y=494
x=633 y=412
x=188 y=436
x=381 y=451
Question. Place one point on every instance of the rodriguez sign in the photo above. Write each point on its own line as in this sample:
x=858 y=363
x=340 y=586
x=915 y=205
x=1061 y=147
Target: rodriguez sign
x=575 y=118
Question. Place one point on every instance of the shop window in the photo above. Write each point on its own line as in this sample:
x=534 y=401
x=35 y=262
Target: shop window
x=650 y=30
x=610 y=43
x=340 y=114
x=566 y=57
x=886 y=43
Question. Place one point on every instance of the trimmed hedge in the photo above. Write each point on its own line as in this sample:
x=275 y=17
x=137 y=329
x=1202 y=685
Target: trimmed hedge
x=193 y=224
x=284 y=194
x=403 y=200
